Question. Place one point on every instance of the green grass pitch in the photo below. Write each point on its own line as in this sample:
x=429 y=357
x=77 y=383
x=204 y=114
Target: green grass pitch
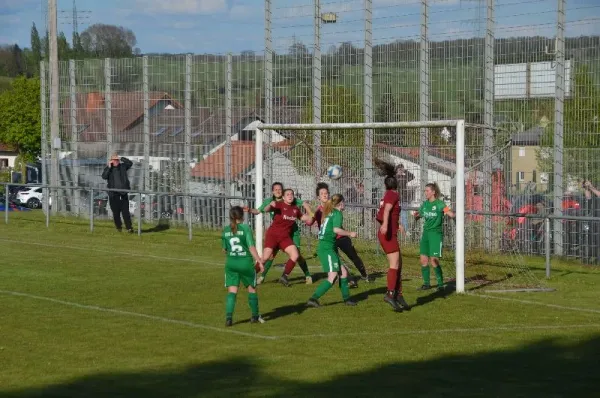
x=107 y=315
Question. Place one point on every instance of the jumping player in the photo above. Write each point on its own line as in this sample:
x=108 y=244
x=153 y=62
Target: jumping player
x=388 y=217
x=327 y=252
x=277 y=192
x=344 y=243
x=432 y=211
x=278 y=236
x=238 y=243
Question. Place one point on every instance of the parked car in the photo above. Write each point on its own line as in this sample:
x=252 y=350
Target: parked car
x=32 y=197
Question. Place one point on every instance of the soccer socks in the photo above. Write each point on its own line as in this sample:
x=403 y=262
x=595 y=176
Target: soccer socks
x=268 y=265
x=398 y=287
x=303 y=266
x=345 y=288
x=426 y=275
x=253 y=303
x=392 y=279
x=439 y=276
x=321 y=289
x=289 y=266
x=230 y=305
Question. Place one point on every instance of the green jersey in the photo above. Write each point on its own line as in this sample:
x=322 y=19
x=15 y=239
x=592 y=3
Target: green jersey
x=327 y=236
x=268 y=201
x=433 y=214
x=237 y=245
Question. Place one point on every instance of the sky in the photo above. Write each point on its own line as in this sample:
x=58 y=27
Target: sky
x=222 y=26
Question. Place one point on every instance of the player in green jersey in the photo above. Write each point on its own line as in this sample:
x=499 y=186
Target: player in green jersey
x=432 y=211
x=331 y=227
x=277 y=191
x=238 y=244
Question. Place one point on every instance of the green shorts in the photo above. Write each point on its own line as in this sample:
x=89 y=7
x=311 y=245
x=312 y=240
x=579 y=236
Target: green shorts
x=431 y=244
x=240 y=270
x=330 y=261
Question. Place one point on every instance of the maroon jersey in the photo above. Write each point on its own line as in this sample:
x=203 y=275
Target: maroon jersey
x=284 y=218
x=391 y=196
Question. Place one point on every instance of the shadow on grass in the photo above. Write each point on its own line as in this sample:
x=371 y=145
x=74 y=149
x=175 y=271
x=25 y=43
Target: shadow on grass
x=545 y=368
x=163 y=225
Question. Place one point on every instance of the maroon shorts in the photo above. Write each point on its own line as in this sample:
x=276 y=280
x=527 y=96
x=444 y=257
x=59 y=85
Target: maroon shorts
x=276 y=241
x=389 y=242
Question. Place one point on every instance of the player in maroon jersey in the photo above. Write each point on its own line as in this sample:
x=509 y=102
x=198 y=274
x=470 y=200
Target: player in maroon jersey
x=388 y=217
x=279 y=234
x=343 y=243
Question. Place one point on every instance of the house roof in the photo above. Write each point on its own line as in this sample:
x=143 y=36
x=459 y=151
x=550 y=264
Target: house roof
x=242 y=160
x=531 y=137
x=6 y=148
x=438 y=159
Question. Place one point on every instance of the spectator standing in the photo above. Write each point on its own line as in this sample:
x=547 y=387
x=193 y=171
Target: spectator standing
x=115 y=173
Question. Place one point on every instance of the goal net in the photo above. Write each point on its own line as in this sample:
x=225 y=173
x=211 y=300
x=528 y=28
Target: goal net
x=298 y=155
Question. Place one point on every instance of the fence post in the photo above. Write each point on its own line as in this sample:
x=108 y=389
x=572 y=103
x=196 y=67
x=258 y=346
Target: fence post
x=49 y=190
x=316 y=87
x=74 y=138
x=43 y=91
x=488 y=138
x=188 y=143
x=424 y=93
x=92 y=210
x=558 y=126
x=139 y=214
x=108 y=108
x=6 y=204
x=228 y=124
x=368 y=109
x=268 y=70
x=146 y=145
x=547 y=244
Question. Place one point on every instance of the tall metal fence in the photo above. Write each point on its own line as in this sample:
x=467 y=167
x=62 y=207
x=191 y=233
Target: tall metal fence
x=524 y=74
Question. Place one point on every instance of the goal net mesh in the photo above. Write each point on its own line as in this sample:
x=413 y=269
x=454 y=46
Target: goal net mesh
x=493 y=253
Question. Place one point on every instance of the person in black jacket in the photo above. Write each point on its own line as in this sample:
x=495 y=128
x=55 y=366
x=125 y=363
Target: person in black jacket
x=115 y=173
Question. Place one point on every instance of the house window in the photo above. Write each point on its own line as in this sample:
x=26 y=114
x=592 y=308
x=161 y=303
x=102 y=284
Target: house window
x=3 y=163
x=520 y=176
x=521 y=152
x=533 y=176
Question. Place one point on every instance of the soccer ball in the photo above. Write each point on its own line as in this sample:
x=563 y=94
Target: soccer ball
x=334 y=172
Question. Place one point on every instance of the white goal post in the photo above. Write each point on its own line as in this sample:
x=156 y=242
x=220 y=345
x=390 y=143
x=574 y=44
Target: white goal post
x=459 y=179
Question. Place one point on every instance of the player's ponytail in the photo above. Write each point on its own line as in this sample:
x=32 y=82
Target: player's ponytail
x=388 y=170
x=436 y=189
x=236 y=214
x=331 y=204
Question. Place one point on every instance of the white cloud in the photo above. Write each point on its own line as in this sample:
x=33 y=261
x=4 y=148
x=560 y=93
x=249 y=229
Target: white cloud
x=188 y=7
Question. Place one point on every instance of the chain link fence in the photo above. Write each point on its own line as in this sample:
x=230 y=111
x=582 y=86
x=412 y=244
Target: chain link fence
x=524 y=75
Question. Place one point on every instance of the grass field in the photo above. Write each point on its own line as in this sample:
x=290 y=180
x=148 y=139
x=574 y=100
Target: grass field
x=102 y=314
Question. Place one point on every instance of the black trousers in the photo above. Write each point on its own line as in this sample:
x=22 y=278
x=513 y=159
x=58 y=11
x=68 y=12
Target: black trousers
x=345 y=245
x=119 y=204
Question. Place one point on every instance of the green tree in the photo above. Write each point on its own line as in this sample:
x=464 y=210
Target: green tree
x=338 y=105
x=20 y=117
x=36 y=49
x=387 y=111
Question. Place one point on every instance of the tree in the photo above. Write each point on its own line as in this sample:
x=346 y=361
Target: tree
x=387 y=111
x=108 y=41
x=64 y=50
x=36 y=49
x=20 y=117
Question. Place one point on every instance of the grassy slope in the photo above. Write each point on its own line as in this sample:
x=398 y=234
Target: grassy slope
x=456 y=346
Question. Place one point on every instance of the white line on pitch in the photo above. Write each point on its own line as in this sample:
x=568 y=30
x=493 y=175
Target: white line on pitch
x=137 y=315
x=446 y=331
x=560 y=307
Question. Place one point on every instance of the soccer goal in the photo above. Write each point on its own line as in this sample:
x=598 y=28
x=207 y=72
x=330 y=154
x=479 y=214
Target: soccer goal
x=298 y=155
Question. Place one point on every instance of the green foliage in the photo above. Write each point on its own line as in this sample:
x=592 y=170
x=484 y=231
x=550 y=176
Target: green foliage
x=36 y=49
x=20 y=117
x=338 y=105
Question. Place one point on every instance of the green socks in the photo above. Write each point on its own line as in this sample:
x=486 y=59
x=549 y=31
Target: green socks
x=253 y=303
x=268 y=265
x=439 y=275
x=230 y=305
x=321 y=289
x=426 y=275
x=345 y=288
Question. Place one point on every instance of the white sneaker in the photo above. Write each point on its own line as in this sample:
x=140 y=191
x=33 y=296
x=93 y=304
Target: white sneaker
x=260 y=280
x=309 y=280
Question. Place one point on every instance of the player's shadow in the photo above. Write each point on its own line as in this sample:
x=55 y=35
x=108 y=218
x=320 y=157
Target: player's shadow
x=362 y=296
x=163 y=225
x=435 y=294
x=280 y=312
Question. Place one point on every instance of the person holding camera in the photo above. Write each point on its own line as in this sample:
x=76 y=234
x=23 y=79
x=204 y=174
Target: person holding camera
x=591 y=205
x=115 y=173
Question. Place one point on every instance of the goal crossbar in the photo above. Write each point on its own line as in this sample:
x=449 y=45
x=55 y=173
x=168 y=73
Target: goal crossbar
x=460 y=173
